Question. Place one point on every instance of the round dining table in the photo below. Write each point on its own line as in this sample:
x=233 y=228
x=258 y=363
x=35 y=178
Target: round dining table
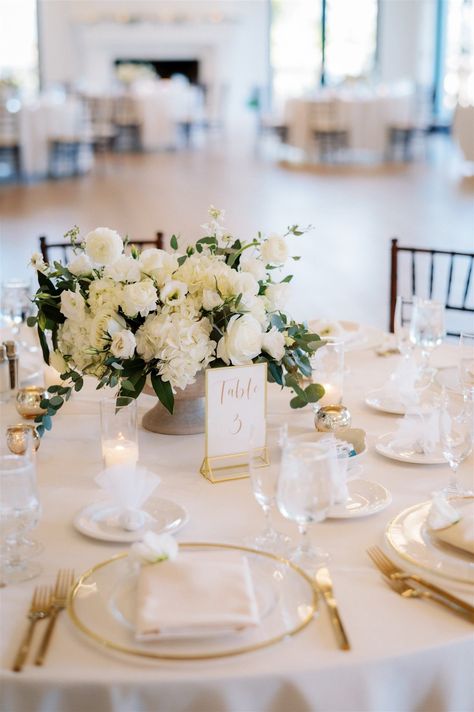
x=406 y=654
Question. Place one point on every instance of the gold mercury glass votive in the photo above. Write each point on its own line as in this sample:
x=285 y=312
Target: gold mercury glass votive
x=28 y=401
x=17 y=437
x=331 y=418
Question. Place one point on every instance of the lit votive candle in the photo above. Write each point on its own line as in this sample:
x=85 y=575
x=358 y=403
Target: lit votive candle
x=332 y=394
x=119 y=452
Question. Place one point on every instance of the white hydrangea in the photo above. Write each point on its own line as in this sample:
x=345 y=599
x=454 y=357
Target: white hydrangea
x=125 y=269
x=104 y=293
x=103 y=245
x=241 y=342
x=139 y=298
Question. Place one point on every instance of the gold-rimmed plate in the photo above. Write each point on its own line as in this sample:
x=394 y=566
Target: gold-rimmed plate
x=411 y=538
x=103 y=599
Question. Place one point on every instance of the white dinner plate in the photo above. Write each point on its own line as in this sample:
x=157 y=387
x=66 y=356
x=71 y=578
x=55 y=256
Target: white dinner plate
x=409 y=535
x=377 y=401
x=365 y=498
x=99 y=520
x=356 y=337
x=384 y=447
x=449 y=378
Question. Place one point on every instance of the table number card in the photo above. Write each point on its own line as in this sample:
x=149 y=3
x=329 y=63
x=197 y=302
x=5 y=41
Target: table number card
x=235 y=415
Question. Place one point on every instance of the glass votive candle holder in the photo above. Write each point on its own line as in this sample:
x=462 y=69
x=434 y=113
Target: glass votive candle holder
x=28 y=401
x=327 y=366
x=118 y=420
x=17 y=438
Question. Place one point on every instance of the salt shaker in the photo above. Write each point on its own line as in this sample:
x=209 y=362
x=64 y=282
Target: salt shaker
x=12 y=355
x=5 y=389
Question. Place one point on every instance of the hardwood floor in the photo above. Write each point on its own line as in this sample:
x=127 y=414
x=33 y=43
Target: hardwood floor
x=355 y=211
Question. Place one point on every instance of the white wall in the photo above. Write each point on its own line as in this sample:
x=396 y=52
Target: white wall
x=80 y=39
x=406 y=37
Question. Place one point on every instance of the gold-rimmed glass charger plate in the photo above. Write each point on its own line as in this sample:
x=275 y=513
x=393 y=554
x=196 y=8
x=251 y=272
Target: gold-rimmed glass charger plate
x=409 y=535
x=102 y=606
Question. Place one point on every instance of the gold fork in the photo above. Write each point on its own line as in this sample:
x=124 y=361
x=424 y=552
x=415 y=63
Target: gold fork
x=39 y=609
x=392 y=571
x=406 y=591
x=64 y=581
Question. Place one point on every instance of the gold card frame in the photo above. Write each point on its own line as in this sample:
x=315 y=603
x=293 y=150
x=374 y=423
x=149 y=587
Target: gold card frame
x=225 y=468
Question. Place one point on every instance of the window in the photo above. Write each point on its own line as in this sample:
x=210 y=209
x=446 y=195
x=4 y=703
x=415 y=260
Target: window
x=18 y=45
x=458 y=79
x=351 y=39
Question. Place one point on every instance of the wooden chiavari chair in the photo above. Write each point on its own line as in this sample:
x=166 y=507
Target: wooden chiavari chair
x=65 y=248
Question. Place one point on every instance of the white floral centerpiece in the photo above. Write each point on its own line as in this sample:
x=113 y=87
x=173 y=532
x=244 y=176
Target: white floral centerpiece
x=125 y=317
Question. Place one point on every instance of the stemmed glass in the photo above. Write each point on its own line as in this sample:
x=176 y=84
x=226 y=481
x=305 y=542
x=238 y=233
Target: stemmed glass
x=16 y=303
x=456 y=436
x=304 y=493
x=264 y=479
x=427 y=328
x=403 y=312
x=19 y=513
x=466 y=364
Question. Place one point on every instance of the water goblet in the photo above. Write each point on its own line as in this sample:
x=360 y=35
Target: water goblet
x=466 y=364
x=19 y=513
x=403 y=312
x=456 y=436
x=304 y=493
x=427 y=329
x=16 y=303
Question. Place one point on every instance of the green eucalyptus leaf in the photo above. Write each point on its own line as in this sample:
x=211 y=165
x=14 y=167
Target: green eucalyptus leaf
x=174 y=242
x=298 y=402
x=314 y=392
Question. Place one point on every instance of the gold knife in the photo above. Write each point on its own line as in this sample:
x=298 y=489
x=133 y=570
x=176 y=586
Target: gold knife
x=323 y=579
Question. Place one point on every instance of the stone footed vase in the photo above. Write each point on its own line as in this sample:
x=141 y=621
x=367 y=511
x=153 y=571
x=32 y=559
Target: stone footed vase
x=189 y=411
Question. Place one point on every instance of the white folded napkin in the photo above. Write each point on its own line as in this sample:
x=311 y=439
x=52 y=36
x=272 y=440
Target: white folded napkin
x=128 y=488
x=339 y=470
x=332 y=330
x=418 y=431
x=452 y=525
x=198 y=593
x=400 y=389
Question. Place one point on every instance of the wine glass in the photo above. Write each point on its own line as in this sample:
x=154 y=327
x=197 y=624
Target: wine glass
x=466 y=364
x=264 y=479
x=19 y=513
x=16 y=303
x=403 y=312
x=304 y=493
x=456 y=436
x=427 y=328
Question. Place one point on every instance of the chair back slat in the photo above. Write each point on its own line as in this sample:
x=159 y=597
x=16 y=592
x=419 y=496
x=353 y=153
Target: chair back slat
x=446 y=272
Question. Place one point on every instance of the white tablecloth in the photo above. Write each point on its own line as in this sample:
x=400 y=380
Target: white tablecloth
x=366 y=118
x=161 y=107
x=463 y=130
x=407 y=654
x=42 y=121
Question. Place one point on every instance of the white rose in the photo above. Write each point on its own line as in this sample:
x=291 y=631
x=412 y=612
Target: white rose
x=103 y=245
x=139 y=298
x=254 y=266
x=258 y=310
x=123 y=344
x=274 y=343
x=241 y=342
x=125 y=269
x=211 y=299
x=174 y=292
x=73 y=305
x=80 y=265
x=158 y=264
x=105 y=323
x=274 y=250
x=276 y=296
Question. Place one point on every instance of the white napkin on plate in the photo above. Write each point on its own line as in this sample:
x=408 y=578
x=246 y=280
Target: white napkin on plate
x=400 y=387
x=198 y=593
x=128 y=488
x=452 y=525
x=418 y=431
x=332 y=330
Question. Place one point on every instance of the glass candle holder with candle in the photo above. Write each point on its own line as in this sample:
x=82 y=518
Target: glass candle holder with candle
x=119 y=431
x=328 y=369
